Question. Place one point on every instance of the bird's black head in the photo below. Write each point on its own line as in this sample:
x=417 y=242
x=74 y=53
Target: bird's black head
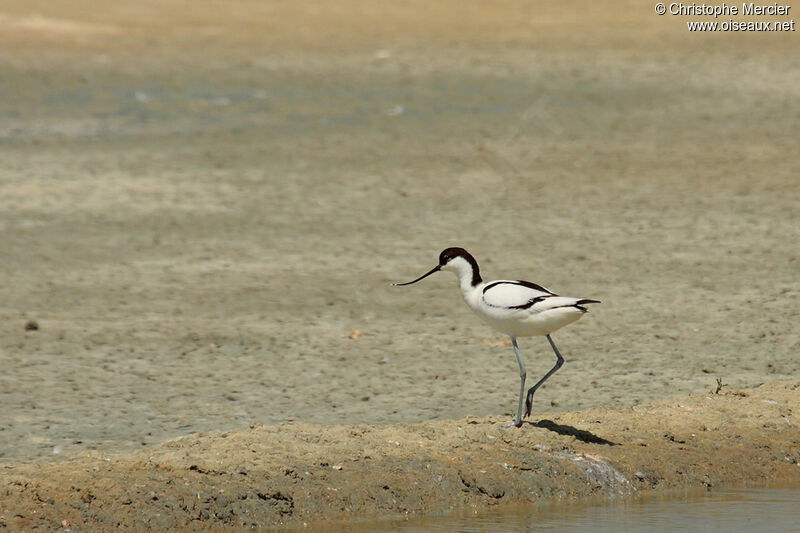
x=451 y=253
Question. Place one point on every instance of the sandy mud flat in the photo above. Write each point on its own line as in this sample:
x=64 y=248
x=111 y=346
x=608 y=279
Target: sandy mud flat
x=299 y=474
x=202 y=209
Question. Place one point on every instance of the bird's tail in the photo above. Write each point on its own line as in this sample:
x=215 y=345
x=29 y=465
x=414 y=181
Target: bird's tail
x=580 y=303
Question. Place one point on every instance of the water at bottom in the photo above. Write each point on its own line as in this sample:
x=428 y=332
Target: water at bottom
x=759 y=510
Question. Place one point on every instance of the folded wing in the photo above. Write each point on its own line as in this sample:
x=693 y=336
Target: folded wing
x=511 y=295
x=515 y=294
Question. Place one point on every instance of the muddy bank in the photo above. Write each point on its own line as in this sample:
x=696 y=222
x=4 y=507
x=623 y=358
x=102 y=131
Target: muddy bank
x=295 y=474
x=199 y=204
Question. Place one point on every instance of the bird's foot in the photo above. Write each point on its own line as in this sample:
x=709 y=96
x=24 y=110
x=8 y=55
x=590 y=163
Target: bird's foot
x=515 y=423
x=528 y=405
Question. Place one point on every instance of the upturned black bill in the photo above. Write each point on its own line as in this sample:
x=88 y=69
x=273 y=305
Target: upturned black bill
x=432 y=271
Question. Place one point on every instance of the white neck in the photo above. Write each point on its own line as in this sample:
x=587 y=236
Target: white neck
x=464 y=271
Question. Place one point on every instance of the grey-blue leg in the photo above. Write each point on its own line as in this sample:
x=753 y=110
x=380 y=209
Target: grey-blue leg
x=522 y=375
x=559 y=362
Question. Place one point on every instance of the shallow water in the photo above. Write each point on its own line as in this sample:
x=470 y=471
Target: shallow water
x=763 y=510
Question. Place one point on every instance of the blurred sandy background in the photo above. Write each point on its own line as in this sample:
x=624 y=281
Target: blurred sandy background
x=199 y=201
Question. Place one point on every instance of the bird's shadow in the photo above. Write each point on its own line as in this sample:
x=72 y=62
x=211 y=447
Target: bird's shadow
x=580 y=434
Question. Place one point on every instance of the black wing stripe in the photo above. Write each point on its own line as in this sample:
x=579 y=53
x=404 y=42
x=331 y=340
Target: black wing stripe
x=530 y=303
x=535 y=286
x=579 y=304
x=519 y=282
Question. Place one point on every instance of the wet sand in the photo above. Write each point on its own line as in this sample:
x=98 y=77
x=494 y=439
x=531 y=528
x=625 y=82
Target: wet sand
x=298 y=474
x=199 y=205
